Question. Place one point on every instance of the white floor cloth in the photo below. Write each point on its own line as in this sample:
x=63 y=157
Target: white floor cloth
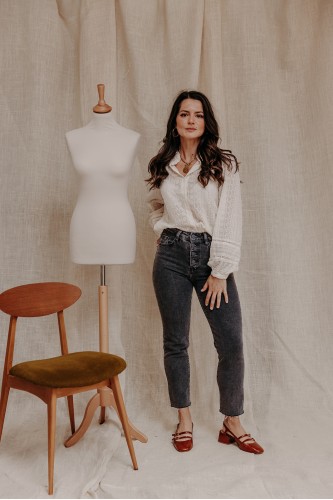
x=267 y=67
x=289 y=468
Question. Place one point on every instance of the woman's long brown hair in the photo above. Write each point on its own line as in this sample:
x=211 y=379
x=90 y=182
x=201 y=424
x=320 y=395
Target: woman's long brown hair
x=211 y=156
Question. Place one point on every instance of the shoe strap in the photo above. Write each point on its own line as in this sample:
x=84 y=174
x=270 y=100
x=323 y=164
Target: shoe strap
x=180 y=439
x=180 y=433
x=245 y=435
x=249 y=438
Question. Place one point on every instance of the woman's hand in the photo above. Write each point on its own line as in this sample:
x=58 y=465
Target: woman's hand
x=158 y=241
x=215 y=288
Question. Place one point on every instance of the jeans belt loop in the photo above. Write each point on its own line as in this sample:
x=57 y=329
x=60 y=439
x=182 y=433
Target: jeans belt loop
x=178 y=234
x=206 y=238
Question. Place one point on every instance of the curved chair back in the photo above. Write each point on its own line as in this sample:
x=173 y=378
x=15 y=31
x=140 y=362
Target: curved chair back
x=38 y=299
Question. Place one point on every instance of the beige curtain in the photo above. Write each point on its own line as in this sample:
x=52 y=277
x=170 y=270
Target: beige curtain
x=267 y=66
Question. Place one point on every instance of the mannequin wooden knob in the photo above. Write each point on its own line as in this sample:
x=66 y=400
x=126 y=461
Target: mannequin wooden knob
x=101 y=107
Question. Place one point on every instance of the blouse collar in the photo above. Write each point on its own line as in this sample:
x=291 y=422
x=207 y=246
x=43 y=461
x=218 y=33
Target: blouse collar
x=176 y=159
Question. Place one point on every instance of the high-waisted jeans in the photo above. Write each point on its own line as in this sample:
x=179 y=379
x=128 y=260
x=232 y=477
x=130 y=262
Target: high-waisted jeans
x=181 y=264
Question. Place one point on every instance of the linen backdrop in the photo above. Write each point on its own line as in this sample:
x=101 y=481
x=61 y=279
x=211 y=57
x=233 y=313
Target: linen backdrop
x=267 y=66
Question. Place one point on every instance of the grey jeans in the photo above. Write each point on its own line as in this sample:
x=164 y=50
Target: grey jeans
x=180 y=265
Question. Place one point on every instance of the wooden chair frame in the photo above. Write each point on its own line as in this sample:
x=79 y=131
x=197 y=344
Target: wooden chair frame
x=27 y=301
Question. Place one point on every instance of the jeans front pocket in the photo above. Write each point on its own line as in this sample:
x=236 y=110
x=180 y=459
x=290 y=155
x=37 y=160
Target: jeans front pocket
x=167 y=238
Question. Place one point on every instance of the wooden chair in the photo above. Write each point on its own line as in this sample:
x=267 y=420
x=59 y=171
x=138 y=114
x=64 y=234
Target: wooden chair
x=61 y=376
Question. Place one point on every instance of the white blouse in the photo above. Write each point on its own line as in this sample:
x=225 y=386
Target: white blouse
x=182 y=202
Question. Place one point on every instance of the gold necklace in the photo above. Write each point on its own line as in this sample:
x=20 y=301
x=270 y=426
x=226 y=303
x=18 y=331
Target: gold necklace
x=187 y=167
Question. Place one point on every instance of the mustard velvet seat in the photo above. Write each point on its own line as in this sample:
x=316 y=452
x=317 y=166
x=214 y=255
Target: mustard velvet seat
x=76 y=369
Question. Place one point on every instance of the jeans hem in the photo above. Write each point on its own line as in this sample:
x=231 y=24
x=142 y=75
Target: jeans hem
x=180 y=407
x=231 y=414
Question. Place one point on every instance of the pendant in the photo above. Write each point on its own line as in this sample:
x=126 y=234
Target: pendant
x=186 y=169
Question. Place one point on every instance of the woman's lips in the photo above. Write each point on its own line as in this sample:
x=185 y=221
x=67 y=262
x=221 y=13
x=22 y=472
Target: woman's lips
x=191 y=129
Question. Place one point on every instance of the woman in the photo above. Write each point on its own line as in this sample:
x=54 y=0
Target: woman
x=196 y=211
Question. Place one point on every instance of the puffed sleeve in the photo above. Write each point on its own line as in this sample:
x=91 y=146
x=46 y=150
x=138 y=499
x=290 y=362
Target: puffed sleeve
x=227 y=232
x=156 y=206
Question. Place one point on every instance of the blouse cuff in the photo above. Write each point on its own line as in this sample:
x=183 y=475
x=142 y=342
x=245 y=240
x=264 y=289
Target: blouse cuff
x=154 y=219
x=224 y=258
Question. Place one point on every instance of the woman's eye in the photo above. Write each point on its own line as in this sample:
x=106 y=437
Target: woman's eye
x=184 y=115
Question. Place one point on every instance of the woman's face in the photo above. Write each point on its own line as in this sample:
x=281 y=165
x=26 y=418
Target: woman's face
x=190 y=121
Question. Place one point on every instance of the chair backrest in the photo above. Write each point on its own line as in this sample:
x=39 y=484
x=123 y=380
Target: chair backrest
x=38 y=299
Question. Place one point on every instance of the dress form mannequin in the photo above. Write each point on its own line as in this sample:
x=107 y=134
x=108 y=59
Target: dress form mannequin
x=102 y=229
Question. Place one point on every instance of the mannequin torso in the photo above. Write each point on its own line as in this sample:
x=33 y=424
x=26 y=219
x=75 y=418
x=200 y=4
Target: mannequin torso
x=102 y=229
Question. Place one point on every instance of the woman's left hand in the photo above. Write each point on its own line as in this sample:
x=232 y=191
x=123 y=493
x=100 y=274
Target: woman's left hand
x=215 y=288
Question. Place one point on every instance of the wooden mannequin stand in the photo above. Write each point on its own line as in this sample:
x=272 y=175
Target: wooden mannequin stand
x=104 y=396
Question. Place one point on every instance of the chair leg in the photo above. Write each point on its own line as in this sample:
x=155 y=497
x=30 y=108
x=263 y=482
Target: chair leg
x=3 y=404
x=70 y=403
x=51 y=420
x=115 y=386
x=102 y=415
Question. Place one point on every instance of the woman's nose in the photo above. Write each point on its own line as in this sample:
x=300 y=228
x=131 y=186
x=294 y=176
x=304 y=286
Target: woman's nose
x=191 y=118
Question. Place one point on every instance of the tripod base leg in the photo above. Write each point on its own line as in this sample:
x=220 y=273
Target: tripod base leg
x=92 y=406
